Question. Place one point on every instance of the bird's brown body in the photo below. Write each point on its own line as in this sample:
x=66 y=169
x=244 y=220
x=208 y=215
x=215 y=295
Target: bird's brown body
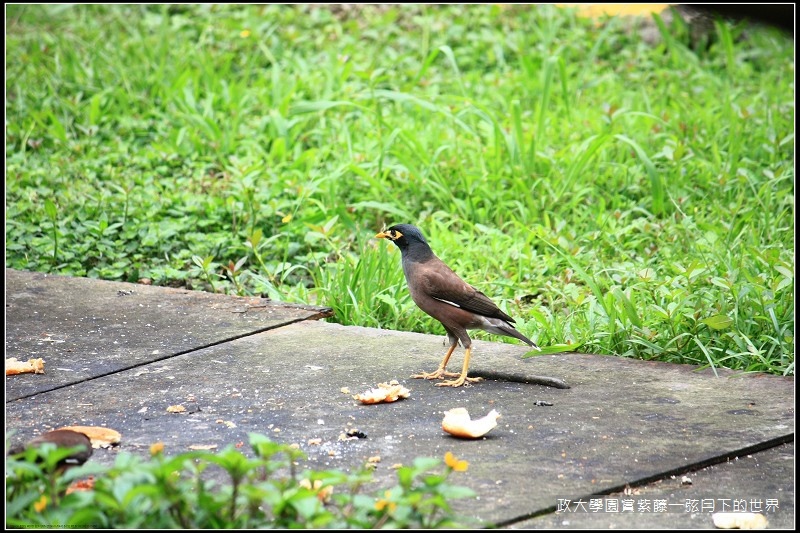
x=438 y=291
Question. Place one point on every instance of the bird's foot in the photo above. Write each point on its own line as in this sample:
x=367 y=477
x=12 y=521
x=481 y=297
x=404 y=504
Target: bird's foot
x=438 y=374
x=462 y=380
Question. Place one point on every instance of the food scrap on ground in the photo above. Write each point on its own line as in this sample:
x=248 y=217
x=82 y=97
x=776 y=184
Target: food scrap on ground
x=31 y=366
x=458 y=423
x=99 y=436
x=384 y=393
x=739 y=520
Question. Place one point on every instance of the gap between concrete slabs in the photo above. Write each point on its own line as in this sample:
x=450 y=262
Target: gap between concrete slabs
x=87 y=328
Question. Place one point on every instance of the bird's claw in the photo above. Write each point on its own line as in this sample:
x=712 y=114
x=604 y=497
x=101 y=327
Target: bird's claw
x=438 y=374
x=441 y=373
x=459 y=382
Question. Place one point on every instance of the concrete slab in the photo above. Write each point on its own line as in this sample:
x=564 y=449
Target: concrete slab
x=761 y=482
x=85 y=328
x=623 y=422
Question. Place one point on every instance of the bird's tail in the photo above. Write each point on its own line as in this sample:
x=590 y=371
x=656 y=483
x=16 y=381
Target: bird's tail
x=501 y=327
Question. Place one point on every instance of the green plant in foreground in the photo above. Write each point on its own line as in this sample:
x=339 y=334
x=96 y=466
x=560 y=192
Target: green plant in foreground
x=204 y=266
x=269 y=490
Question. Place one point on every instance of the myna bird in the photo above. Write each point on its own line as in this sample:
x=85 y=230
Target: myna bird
x=62 y=438
x=438 y=291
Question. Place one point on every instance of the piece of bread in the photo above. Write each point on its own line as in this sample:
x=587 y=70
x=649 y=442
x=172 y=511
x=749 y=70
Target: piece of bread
x=31 y=366
x=384 y=393
x=101 y=437
x=458 y=423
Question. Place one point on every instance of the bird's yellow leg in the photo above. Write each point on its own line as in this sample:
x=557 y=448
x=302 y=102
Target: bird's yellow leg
x=440 y=372
x=462 y=378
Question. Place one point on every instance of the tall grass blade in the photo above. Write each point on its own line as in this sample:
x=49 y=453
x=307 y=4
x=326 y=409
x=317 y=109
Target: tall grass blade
x=657 y=191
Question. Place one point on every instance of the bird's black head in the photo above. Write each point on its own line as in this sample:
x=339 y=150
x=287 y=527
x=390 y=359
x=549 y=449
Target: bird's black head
x=409 y=239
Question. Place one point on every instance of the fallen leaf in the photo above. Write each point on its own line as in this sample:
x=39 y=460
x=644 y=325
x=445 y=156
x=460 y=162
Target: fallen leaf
x=176 y=409
x=81 y=485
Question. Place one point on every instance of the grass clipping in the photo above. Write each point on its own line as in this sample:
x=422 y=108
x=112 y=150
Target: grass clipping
x=458 y=423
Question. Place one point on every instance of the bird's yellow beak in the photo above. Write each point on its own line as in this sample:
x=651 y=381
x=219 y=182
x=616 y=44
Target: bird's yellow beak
x=392 y=235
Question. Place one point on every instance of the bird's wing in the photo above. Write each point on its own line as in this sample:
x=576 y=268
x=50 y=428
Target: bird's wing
x=441 y=283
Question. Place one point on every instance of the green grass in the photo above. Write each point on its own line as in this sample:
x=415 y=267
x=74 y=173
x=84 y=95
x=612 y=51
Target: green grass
x=632 y=199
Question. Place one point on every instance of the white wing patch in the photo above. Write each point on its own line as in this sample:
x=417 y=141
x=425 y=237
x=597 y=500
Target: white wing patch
x=446 y=301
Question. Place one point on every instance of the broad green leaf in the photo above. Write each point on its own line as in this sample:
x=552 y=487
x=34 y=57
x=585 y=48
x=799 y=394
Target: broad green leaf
x=718 y=322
